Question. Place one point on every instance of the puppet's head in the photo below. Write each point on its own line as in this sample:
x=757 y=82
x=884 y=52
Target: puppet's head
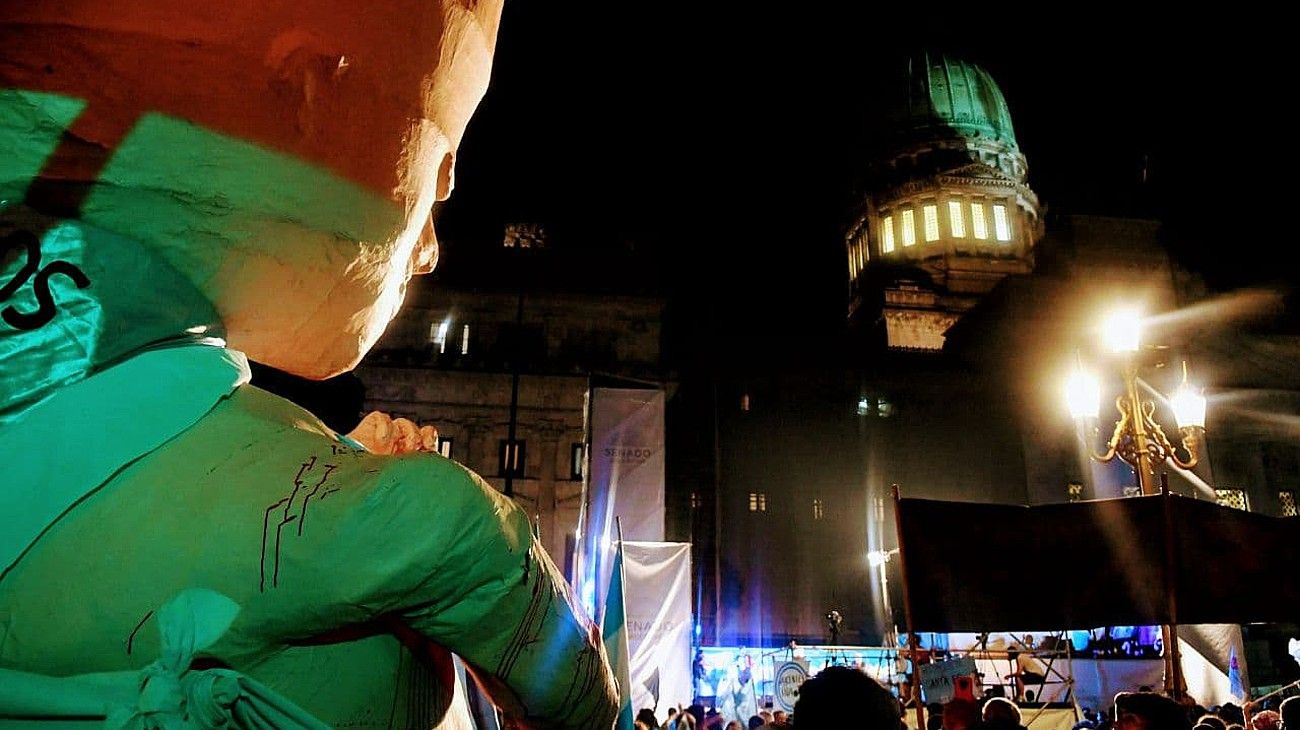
x=257 y=170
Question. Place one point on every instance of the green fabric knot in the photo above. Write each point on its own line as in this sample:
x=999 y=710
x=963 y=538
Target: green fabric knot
x=188 y=623
x=166 y=695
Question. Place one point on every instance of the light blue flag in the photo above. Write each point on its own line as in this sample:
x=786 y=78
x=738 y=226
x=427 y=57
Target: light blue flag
x=1235 y=686
x=614 y=631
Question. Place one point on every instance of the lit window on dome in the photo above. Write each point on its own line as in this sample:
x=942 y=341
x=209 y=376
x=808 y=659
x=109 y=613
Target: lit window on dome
x=909 y=228
x=931 y=222
x=887 y=235
x=853 y=265
x=956 y=219
x=1000 y=225
x=977 y=223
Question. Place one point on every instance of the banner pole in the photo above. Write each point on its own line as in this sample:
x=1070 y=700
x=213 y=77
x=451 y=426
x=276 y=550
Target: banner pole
x=578 y=579
x=913 y=648
x=1175 y=686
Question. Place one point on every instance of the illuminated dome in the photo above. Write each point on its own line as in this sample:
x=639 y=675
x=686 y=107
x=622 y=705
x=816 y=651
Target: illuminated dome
x=947 y=212
x=940 y=94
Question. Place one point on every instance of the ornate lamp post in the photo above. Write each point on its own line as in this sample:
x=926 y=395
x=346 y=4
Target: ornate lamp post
x=1138 y=439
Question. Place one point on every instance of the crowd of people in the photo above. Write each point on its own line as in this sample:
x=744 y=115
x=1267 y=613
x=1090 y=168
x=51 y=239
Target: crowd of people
x=841 y=698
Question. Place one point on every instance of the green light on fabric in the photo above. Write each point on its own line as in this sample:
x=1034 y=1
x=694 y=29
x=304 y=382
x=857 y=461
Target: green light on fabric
x=31 y=124
x=192 y=195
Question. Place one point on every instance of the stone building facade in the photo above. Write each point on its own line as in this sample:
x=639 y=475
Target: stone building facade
x=451 y=358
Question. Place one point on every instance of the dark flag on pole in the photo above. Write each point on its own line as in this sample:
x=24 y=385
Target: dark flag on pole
x=1118 y=562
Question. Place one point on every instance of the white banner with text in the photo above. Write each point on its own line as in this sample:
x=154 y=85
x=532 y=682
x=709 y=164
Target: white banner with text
x=657 y=588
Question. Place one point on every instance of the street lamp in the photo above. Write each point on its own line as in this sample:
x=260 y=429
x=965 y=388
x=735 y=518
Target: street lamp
x=1138 y=438
x=879 y=559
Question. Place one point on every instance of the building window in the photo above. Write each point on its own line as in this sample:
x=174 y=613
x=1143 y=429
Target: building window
x=695 y=500
x=818 y=512
x=1001 y=226
x=758 y=501
x=931 y=222
x=438 y=334
x=887 y=234
x=1287 y=499
x=877 y=406
x=744 y=402
x=524 y=235
x=909 y=229
x=577 y=462
x=853 y=265
x=956 y=219
x=464 y=340
x=512 y=458
x=1234 y=498
x=863 y=254
x=444 y=446
x=977 y=223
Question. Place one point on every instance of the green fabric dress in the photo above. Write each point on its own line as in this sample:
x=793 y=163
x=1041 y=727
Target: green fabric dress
x=352 y=571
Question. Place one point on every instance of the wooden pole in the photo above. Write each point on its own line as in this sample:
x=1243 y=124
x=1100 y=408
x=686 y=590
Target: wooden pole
x=1175 y=687
x=912 y=644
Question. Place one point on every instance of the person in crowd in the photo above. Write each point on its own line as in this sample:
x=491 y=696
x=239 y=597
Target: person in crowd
x=1001 y=713
x=1213 y=721
x=647 y=716
x=779 y=718
x=1232 y=714
x=841 y=697
x=734 y=725
x=933 y=716
x=960 y=714
x=1266 y=720
x=1030 y=672
x=1148 y=711
x=1289 y=711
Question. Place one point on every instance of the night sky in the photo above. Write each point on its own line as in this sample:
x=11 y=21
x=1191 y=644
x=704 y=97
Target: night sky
x=722 y=146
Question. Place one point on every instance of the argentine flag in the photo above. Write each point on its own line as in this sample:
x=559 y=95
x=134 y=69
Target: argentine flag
x=614 y=632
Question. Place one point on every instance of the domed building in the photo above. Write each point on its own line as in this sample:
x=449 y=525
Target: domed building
x=946 y=212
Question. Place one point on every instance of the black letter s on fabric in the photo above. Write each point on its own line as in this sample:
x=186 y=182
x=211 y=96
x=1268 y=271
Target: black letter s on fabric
x=41 y=286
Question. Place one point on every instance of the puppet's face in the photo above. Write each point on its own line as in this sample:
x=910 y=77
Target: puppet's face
x=282 y=156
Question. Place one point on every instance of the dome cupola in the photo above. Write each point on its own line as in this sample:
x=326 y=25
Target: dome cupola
x=947 y=195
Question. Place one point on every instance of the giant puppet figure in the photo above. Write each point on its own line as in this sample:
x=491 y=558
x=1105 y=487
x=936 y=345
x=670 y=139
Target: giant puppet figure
x=184 y=183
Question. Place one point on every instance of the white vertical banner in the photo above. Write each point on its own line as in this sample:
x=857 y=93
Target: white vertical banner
x=627 y=460
x=1214 y=662
x=657 y=587
x=625 y=482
